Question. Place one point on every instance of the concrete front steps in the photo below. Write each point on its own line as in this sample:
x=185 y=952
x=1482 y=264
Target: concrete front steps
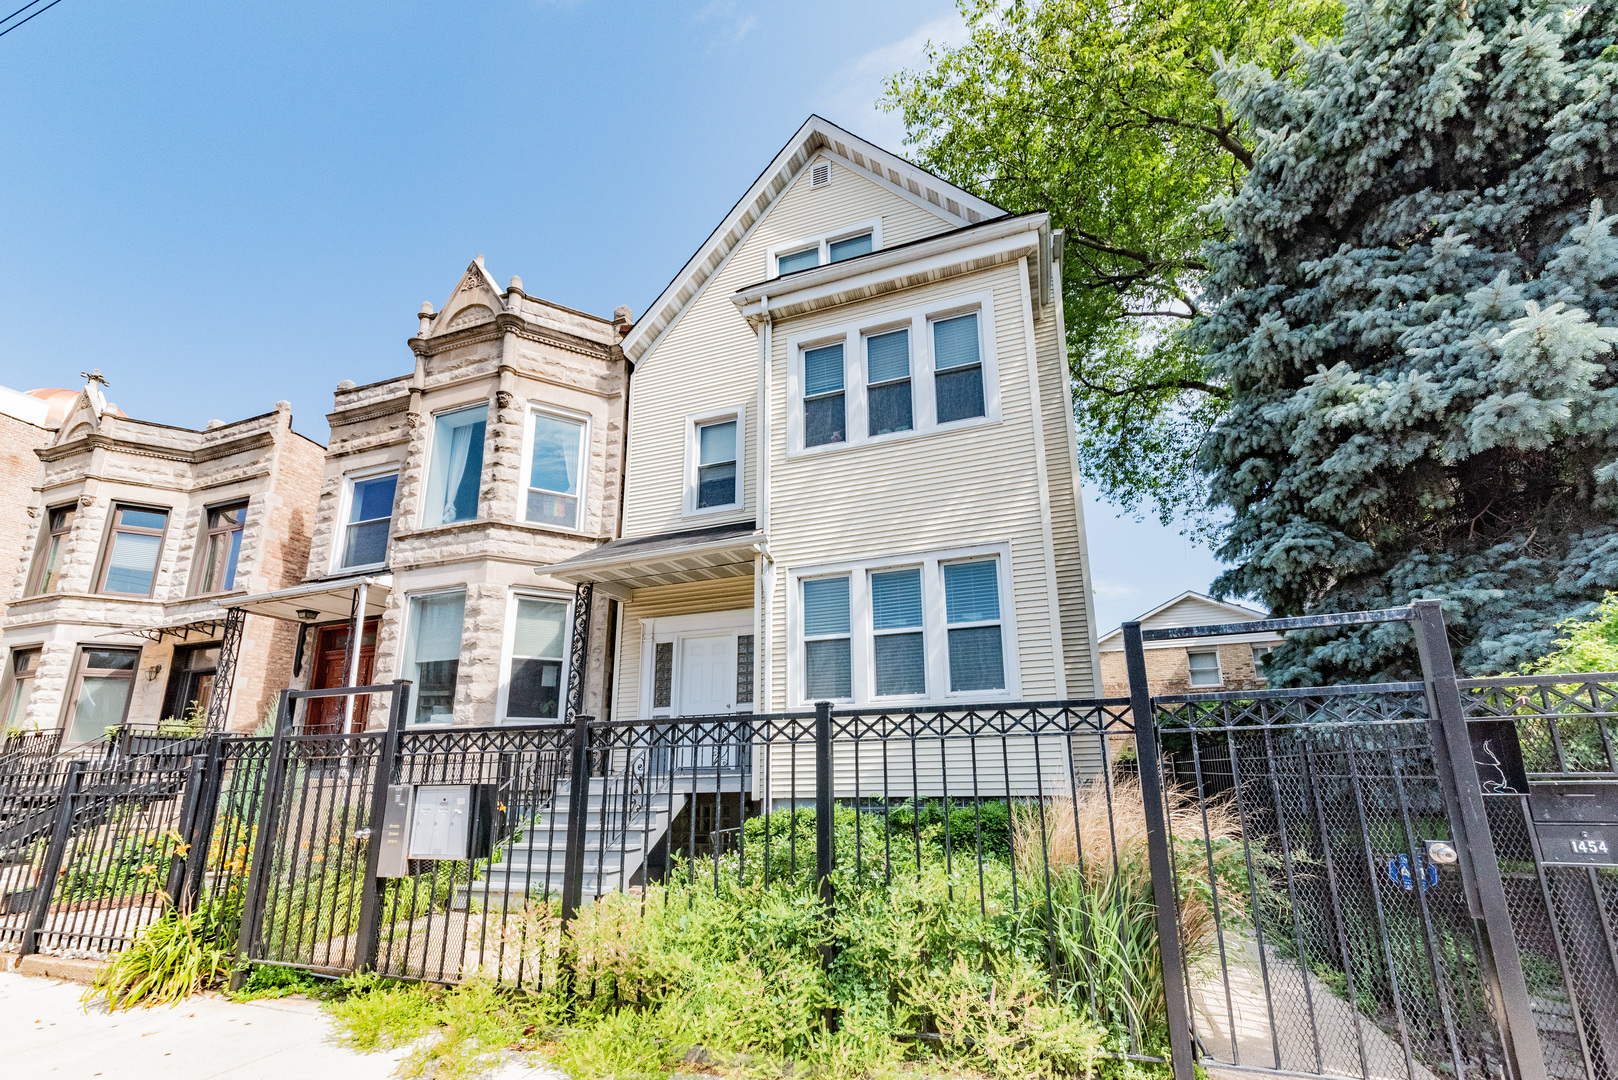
x=533 y=865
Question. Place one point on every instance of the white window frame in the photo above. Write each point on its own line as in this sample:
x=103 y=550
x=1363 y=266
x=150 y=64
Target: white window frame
x=432 y=449
x=508 y=642
x=536 y=408
x=1259 y=653
x=407 y=653
x=823 y=241
x=935 y=630
x=346 y=506
x=693 y=457
x=923 y=406
x=1219 y=670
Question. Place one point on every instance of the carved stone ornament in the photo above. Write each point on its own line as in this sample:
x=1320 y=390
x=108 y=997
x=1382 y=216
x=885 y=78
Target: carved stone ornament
x=87 y=501
x=472 y=281
x=504 y=399
x=415 y=419
x=33 y=511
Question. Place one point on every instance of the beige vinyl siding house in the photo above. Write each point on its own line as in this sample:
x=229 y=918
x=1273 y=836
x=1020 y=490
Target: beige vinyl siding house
x=850 y=288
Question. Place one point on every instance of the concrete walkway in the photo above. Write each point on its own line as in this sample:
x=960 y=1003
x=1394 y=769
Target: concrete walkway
x=46 y=1032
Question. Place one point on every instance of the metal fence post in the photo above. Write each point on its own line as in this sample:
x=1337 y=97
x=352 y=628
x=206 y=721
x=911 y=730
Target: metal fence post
x=578 y=809
x=1176 y=1000
x=387 y=757
x=200 y=839
x=45 y=884
x=1480 y=866
x=174 y=886
x=263 y=842
x=825 y=808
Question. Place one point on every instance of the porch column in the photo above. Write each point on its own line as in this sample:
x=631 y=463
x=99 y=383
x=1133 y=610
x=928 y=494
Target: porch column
x=582 y=596
x=352 y=675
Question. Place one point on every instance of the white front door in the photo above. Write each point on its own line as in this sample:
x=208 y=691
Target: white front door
x=707 y=677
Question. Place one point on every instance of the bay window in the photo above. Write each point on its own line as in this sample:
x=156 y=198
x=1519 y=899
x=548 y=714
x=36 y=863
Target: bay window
x=133 y=550
x=52 y=546
x=555 y=471
x=538 y=652
x=456 y=470
x=433 y=654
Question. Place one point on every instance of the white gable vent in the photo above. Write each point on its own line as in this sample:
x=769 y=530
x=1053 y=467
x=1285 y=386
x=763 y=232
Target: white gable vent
x=820 y=174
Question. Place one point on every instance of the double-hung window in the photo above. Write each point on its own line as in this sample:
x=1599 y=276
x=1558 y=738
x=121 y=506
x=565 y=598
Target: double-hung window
x=828 y=650
x=538 y=646
x=972 y=614
x=53 y=545
x=716 y=464
x=456 y=471
x=433 y=654
x=957 y=368
x=137 y=541
x=1203 y=666
x=222 y=548
x=555 y=471
x=824 y=417
x=898 y=641
x=1261 y=654
x=370 y=513
x=887 y=382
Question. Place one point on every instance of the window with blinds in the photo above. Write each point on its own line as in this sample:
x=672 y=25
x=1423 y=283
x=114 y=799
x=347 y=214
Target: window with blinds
x=828 y=654
x=132 y=554
x=957 y=368
x=896 y=626
x=433 y=654
x=972 y=613
x=824 y=419
x=887 y=381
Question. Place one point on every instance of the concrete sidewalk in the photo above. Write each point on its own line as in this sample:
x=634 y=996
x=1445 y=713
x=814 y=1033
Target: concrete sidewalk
x=46 y=1032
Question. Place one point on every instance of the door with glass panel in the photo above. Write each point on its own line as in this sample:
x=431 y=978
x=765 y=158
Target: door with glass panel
x=102 y=680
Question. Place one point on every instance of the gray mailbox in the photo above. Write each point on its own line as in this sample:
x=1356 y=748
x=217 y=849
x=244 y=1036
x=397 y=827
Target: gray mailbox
x=393 y=861
x=452 y=822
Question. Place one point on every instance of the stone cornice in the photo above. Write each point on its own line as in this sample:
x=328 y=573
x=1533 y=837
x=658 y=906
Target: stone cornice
x=257 y=440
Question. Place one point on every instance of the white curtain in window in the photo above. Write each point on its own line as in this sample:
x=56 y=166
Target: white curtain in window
x=438 y=627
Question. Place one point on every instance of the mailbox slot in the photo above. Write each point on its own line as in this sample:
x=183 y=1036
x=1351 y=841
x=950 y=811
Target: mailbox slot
x=393 y=861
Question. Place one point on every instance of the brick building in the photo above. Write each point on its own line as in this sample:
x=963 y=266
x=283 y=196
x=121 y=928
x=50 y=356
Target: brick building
x=136 y=534
x=1192 y=665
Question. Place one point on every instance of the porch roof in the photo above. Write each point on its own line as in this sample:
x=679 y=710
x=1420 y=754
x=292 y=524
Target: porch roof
x=641 y=562
x=332 y=599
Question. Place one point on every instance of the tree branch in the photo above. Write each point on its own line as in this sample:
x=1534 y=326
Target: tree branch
x=1140 y=389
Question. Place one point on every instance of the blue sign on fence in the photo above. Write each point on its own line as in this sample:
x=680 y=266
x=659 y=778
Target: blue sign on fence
x=1399 y=873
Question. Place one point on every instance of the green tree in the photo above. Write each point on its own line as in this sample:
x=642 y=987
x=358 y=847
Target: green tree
x=1415 y=314
x=1105 y=114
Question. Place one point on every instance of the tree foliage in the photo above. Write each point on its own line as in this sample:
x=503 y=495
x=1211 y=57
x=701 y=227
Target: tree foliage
x=1416 y=313
x=1105 y=114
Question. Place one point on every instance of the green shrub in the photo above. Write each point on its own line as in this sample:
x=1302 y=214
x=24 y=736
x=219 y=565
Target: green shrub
x=169 y=960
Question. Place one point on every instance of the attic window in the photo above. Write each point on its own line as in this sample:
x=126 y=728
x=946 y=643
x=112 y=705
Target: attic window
x=820 y=174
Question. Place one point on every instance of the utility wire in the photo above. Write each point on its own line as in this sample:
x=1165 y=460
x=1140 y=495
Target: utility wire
x=24 y=8
x=19 y=11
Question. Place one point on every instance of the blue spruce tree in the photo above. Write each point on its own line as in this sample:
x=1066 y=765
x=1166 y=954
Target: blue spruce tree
x=1416 y=315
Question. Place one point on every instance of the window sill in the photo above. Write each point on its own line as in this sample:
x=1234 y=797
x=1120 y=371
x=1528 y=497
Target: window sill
x=936 y=431
x=710 y=511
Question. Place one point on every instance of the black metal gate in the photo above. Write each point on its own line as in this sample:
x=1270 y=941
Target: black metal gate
x=1405 y=880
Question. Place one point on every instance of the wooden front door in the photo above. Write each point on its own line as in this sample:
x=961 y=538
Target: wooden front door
x=324 y=716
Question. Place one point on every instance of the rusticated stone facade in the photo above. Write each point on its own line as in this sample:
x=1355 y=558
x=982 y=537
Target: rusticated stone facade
x=100 y=459
x=512 y=354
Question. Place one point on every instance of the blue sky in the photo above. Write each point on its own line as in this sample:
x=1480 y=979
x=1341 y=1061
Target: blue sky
x=222 y=205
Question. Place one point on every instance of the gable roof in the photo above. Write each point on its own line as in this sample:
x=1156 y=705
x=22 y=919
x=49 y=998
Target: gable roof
x=1190 y=608
x=953 y=205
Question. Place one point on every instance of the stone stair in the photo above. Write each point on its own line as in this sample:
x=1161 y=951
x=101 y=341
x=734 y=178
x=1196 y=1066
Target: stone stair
x=532 y=866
